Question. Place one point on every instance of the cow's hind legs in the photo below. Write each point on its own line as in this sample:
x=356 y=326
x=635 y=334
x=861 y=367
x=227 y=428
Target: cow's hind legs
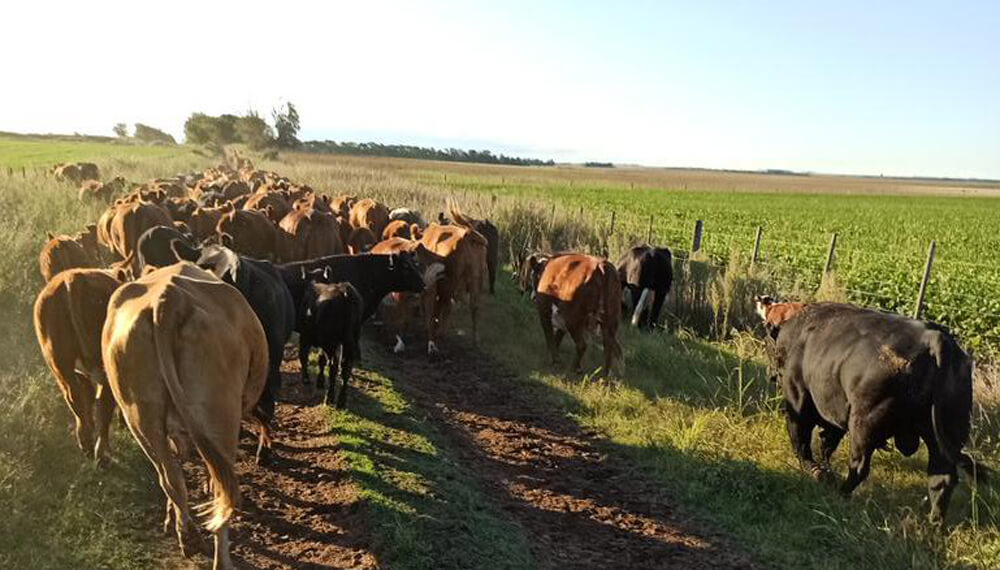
x=104 y=410
x=800 y=427
x=860 y=464
x=304 y=350
x=580 y=339
x=942 y=477
x=348 y=356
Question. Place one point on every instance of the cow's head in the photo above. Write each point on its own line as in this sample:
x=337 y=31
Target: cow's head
x=530 y=272
x=761 y=303
x=404 y=273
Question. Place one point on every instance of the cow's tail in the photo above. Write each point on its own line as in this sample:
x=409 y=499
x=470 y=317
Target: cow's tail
x=83 y=339
x=951 y=403
x=225 y=486
x=456 y=215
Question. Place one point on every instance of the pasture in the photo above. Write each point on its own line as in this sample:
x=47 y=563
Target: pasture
x=693 y=416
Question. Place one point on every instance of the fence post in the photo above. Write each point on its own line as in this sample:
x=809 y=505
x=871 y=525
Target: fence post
x=649 y=234
x=23 y=173
x=756 y=246
x=830 y=254
x=923 y=283
x=611 y=228
x=696 y=240
x=552 y=217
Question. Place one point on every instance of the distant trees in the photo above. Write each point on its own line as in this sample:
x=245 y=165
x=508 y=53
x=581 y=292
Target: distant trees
x=427 y=153
x=249 y=129
x=593 y=164
x=120 y=130
x=150 y=134
x=286 y=124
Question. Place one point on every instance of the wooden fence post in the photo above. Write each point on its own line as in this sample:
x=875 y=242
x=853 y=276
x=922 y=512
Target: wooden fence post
x=611 y=228
x=649 y=234
x=756 y=246
x=923 y=282
x=696 y=239
x=830 y=254
x=552 y=217
x=23 y=173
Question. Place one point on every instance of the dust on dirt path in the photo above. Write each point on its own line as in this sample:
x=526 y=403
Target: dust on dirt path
x=301 y=510
x=580 y=508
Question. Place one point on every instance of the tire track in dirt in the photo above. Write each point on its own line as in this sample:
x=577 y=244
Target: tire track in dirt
x=579 y=508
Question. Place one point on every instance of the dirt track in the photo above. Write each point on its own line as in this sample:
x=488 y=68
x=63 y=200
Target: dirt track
x=579 y=508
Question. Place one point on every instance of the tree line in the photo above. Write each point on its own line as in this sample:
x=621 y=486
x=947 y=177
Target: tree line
x=426 y=153
x=250 y=129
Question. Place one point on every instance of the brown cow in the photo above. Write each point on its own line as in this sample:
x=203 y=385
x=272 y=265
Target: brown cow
x=274 y=204
x=576 y=293
x=774 y=314
x=370 y=214
x=248 y=232
x=186 y=357
x=69 y=314
x=308 y=234
x=341 y=206
x=130 y=222
x=488 y=231
x=464 y=253
x=66 y=252
x=204 y=221
x=397 y=228
x=398 y=308
x=104 y=191
x=360 y=240
x=76 y=172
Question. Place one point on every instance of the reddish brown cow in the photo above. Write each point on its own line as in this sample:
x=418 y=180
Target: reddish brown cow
x=262 y=201
x=204 y=221
x=66 y=252
x=464 y=253
x=397 y=228
x=130 y=222
x=576 y=293
x=307 y=234
x=398 y=308
x=248 y=232
x=341 y=206
x=774 y=314
x=370 y=214
x=69 y=315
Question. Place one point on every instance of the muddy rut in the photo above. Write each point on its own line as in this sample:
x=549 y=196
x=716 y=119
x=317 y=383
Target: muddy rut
x=578 y=507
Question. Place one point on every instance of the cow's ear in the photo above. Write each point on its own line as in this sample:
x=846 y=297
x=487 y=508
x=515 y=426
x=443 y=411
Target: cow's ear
x=226 y=240
x=268 y=210
x=183 y=251
x=50 y=235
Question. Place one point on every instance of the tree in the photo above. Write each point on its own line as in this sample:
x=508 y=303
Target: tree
x=287 y=126
x=150 y=134
x=121 y=130
x=253 y=131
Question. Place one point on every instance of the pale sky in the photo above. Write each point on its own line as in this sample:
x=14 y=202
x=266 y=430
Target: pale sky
x=894 y=87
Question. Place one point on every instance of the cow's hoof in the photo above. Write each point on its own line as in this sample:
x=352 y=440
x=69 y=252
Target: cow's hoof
x=400 y=345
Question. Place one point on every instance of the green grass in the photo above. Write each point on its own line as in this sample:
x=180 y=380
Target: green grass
x=702 y=419
x=882 y=239
x=425 y=508
x=60 y=511
x=34 y=153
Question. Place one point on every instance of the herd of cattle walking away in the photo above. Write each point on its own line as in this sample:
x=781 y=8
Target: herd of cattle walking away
x=176 y=306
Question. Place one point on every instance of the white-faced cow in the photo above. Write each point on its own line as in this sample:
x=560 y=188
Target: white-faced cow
x=646 y=272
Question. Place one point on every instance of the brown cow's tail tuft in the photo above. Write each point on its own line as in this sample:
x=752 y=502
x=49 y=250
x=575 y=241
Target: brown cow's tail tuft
x=225 y=486
x=951 y=403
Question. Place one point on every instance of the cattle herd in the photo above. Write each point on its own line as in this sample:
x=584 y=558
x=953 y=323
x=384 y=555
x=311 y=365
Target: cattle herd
x=176 y=305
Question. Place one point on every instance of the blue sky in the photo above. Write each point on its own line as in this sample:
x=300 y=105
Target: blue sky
x=905 y=88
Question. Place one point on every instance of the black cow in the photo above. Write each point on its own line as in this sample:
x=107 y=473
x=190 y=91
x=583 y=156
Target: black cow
x=878 y=376
x=645 y=272
x=154 y=247
x=330 y=318
x=374 y=276
x=265 y=290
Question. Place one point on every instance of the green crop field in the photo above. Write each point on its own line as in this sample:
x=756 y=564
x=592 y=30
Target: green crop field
x=694 y=412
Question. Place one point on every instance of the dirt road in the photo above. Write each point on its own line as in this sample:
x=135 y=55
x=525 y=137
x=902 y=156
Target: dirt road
x=579 y=507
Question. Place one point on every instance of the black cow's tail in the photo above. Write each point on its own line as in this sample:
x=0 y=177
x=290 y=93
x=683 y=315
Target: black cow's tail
x=951 y=403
